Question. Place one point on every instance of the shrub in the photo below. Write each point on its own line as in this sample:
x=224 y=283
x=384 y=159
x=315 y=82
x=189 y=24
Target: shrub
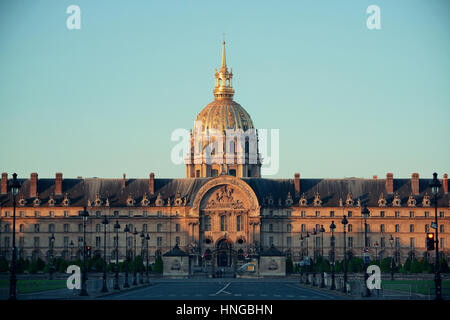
x=289 y=265
x=158 y=267
x=4 y=267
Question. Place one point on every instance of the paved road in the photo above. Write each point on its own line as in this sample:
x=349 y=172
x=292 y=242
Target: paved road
x=225 y=290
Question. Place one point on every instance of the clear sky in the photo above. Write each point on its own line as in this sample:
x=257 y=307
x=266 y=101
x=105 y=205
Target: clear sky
x=104 y=100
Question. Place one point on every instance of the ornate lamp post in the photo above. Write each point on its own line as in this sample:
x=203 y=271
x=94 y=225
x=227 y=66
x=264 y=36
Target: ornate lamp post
x=376 y=250
x=116 y=280
x=84 y=214
x=147 y=239
x=344 y=224
x=141 y=279
x=51 y=269
x=391 y=241
x=71 y=245
x=435 y=185
x=308 y=259
x=332 y=227
x=365 y=212
x=134 y=259
x=12 y=280
x=314 y=282
x=126 y=230
x=322 y=281
x=105 y=223
x=302 y=259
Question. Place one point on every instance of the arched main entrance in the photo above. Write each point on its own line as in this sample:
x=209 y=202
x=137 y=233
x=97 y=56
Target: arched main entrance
x=224 y=250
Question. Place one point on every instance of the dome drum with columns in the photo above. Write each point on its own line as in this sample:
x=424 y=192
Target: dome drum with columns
x=225 y=130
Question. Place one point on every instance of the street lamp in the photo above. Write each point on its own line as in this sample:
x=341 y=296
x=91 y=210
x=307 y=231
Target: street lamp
x=105 y=223
x=435 y=185
x=134 y=259
x=322 y=282
x=12 y=280
x=84 y=214
x=365 y=212
x=376 y=250
x=71 y=245
x=116 y=280
x=332 y=227
x=52 y=266
x=314 y=261
x=147 y=239
x=302 y=258
x=308 y=260
x=344 y=224
x=126 y=230
x=391 y=241
x=141 y=279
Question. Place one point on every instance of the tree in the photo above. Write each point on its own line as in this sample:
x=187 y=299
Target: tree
x=443 y=266
x=416 y=266
x=289 y=265
x=407 y=265
x=4 y=267
x=385 y=265
x=158 y=267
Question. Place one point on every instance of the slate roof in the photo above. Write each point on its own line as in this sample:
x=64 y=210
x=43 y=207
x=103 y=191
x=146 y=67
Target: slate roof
x=175 y=252
x=330 y=190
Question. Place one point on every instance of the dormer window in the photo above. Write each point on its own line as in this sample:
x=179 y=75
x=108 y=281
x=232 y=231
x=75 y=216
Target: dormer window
x=349 y=201
x=303 y=202
x=36 y=202
x=426 y=201
x=98 y=202
x=130 y=201
x=411 y=201
x=382 y=201
x=22 y=202
x=145 y=202
x=396 y=202
x=66 y=201
x=51 y=202
x=159 y=201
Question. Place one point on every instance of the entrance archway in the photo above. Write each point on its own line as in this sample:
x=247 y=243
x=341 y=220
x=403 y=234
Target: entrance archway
x=224 y=250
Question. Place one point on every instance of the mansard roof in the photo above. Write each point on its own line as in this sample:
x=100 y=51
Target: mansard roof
x=79 y=191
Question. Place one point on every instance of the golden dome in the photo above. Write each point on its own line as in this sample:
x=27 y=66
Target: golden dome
x=224 y=114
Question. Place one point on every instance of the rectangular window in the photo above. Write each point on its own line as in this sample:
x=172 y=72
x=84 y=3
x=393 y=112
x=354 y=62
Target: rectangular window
x=36 y=214
x=66 y=227
x=441 y=214
x=317 y=242
x=270 y=227
x=145 y=213
x=397 y=243
x=36 y=228
x=350 y=214
x=177 y=240
x=270 y=241
x=411 y=214
x=350 y=228
x=144 y=227
x=442 y=243
x=66 y=214
x=303 y=214
x=80 y=228
x=116 y=214
x=98 y=242
x=350 y=242
x=66 y=242
x=441 y=228
x=130 y=213
x=331 y=214
x=177 y=227
x=158 y=227
x=80 y=242
x=51 y=228
x=382 y=214
x=381 y=227
x=36 y=242
x=21 y=242
x=397 y=228
x=51 y=214
x=317 y=213
x=397 y=214
x=427 y=214
x=303 y=228
x=98 y=214
x=382 y=242
x=239 y=223
x=223 y=223
x=6 y=242
x=411 y=228
x=411 y=242
x=207 y=223
x=98 y=228
x=159 y=241
x=21 y=214
x=288 y=242
x=427 y=228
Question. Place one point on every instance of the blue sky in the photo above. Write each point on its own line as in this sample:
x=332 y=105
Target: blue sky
x=104 y=100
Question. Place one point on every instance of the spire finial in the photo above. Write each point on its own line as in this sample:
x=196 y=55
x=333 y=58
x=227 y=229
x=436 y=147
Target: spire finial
x=224 y=63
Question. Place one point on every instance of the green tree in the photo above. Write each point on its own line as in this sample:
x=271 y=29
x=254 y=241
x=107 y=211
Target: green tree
x=443 y=266
x=4 y=267
x=407 y=265
x=158 y=267
x=385 y=265
x=416 y=266
x=289 y=265
x=98 y=264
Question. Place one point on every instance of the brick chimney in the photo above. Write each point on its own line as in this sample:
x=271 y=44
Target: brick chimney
x=374 y=177
x=124 y=180
x=415 y=183
x=58 y=184
x=444 y=183
x=33 y=184
x=297 y=183
x=151 y=183
x=389 y=183
x=4 y=184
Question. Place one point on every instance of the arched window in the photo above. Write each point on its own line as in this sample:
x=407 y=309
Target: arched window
x=223 y=223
